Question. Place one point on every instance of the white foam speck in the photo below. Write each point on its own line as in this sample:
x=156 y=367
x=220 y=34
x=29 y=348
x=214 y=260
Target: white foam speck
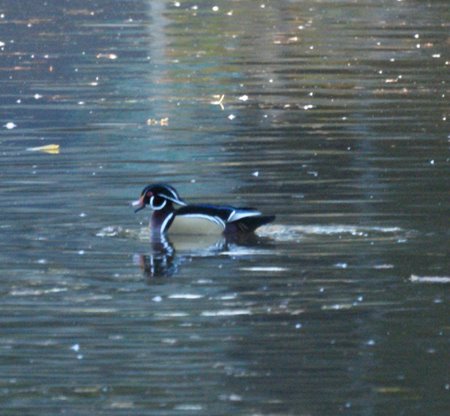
x=264 y=269
x=75 y=347
x=37 y=292
x=189 y=407
x=188 y=296
x=10 y=125
x=173 y=315
x=336 y=307
x=229 y=297
x=383 y=266
x=289 y=232
x=227 y=312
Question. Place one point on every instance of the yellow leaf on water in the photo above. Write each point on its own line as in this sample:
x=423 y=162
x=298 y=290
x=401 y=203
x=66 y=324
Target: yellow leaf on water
x=49 y=148
x=392 y=390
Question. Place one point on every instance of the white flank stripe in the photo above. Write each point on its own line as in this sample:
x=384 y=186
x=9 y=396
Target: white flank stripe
x=237 y=215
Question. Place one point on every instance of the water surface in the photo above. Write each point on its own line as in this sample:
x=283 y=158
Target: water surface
x=331 y=115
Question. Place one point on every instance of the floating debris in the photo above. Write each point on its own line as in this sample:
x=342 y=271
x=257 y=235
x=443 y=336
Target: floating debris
x=219 y=101
x=49 y=148
x=282 y=39
x=158 y=122
x=111 y=56
x=392 y=390
x=429 y=279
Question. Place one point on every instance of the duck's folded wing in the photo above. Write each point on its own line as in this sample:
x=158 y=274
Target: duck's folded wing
x=199 y=219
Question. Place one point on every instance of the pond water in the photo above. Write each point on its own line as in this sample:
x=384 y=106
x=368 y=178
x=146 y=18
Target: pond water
x=333 y=115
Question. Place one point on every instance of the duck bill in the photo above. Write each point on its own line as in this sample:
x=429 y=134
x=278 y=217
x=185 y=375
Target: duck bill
x=138 y=205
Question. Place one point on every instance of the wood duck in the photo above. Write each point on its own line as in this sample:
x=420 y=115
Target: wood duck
x=199 y=219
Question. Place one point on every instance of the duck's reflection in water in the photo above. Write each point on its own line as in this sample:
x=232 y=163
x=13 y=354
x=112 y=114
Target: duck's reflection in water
x=168 y=254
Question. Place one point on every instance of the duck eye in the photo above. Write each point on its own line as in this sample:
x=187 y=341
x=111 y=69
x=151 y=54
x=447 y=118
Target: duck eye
x=157 y=203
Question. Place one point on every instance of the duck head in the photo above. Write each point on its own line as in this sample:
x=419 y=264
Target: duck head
x=157 y=197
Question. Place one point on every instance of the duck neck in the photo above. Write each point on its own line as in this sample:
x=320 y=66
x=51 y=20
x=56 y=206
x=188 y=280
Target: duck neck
x=161 y=220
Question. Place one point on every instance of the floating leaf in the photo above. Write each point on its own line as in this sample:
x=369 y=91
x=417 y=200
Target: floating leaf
x=49 y=148
x=158 y=122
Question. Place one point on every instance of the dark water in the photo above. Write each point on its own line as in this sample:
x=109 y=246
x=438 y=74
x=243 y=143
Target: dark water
x=334 y=116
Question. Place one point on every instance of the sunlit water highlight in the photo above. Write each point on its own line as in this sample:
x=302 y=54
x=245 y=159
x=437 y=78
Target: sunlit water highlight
x=331 y=115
